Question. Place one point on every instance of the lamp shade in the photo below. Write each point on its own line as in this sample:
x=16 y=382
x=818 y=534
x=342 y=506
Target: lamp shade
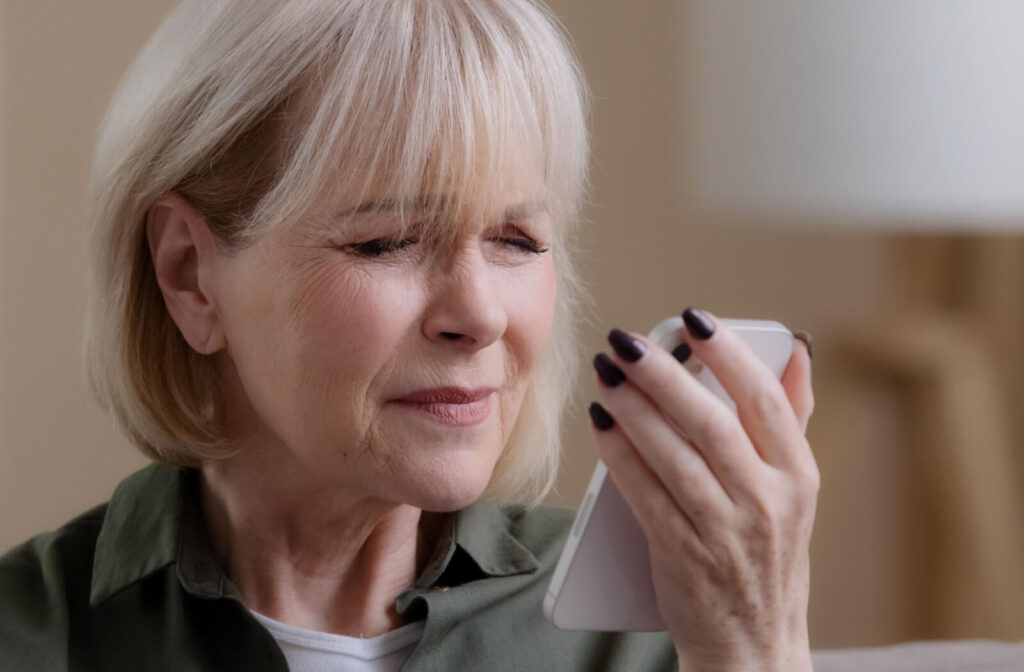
x=906 y=113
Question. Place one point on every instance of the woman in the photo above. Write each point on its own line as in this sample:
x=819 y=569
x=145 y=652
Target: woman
x=333 y=300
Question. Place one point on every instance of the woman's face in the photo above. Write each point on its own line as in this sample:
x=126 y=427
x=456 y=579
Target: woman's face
x=387 y=364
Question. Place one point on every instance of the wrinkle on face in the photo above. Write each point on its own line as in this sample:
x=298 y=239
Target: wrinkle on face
x=345 y=336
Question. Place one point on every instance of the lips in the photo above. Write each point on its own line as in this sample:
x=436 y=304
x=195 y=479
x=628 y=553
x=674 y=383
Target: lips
x=457 y=406
x=448 y=395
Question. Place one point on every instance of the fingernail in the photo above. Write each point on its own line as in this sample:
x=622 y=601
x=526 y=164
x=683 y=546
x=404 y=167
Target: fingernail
x=699 y=324
x=625 y=346
x=610 y=374
x=808 y=340
x=601 y=418
x=682 y=353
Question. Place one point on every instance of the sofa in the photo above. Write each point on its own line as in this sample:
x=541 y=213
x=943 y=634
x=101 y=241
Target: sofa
x=946 y=656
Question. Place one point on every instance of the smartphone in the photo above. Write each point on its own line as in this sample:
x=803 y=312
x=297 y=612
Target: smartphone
x=603 y=578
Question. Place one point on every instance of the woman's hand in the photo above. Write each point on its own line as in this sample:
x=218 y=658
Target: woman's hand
x=727 y=502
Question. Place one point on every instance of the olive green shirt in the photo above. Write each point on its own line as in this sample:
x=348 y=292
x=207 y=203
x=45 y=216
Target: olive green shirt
x=133 y=585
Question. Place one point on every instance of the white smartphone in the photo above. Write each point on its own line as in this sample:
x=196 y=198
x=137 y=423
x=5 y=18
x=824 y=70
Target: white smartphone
x=603 y=578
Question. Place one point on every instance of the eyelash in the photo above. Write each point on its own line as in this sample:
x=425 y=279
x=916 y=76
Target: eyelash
x=526 y=244
x=379 y=247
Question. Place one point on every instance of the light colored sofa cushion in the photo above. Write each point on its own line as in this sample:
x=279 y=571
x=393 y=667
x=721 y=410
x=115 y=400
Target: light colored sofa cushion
x=957 y=656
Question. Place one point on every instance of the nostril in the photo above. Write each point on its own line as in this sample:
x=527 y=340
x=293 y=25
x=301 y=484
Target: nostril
x=450 y=335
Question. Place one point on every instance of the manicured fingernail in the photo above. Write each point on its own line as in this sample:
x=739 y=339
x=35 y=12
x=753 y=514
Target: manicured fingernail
x=808 y=340
x=601 y=418
x=682 y=353
x=610 y=374
x=699 y=324
x=625 y=346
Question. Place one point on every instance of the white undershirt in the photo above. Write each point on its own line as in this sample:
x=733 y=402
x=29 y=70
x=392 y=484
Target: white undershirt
x=312 y=651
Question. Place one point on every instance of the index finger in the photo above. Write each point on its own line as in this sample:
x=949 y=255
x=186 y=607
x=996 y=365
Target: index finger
x=761 y=402
x=694 y=412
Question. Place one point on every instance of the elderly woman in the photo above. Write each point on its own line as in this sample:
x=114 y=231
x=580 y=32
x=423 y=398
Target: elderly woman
x=333 y=300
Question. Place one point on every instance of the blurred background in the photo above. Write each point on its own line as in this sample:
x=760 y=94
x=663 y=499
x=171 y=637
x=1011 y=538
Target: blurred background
x=915 y=310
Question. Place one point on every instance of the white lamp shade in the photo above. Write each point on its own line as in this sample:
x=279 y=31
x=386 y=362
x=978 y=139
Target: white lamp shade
x=878 y=112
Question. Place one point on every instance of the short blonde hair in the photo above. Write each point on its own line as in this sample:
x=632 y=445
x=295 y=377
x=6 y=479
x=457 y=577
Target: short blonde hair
x=255 y=109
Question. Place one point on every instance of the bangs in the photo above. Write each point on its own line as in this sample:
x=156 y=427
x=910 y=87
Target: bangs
x=457 y=98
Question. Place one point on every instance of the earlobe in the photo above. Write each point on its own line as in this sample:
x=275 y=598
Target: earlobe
x=185 y=258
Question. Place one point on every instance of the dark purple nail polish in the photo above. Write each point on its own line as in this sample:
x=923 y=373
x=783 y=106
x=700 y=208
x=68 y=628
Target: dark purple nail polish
x=601 y=418
x=699 y=324
x=625 y=346
x=808 y=340
x=610 y=374
x=682 y=353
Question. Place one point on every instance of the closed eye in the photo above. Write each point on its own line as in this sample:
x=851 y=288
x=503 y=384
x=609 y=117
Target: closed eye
x=379 y=247
x=383 y=247
x=515 y=238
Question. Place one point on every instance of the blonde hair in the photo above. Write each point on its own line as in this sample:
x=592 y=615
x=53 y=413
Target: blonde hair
x=257 y=110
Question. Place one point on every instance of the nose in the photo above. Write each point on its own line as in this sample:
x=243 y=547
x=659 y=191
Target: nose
x=466 y=306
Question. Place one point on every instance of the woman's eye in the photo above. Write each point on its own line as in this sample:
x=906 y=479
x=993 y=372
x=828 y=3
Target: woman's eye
x=521 y=241
x=379 y=247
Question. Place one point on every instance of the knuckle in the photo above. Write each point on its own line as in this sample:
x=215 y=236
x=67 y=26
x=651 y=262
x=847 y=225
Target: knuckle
x=658 y=379
x=810 y=478
x=686 y=480
x=809 y=489
x=767 y=404
x=806 y=476
x=809 y=408
x=717 y=429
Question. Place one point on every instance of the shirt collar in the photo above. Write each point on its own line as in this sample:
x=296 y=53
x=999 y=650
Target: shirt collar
x=140 y=531
x=485 y=533
x=153 y=520
x=482 y=534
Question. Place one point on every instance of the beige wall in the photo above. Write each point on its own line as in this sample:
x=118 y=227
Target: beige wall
x=58 y=455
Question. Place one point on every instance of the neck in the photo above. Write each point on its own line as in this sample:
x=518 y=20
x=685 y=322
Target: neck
x=312 y=556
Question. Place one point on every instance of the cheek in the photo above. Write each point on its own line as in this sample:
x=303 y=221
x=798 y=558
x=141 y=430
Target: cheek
x=347 y=322
x=531 y=309
x=314 y=339
x=324 y=307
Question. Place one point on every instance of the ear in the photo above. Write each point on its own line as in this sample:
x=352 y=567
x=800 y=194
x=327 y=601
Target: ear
x=185 y=258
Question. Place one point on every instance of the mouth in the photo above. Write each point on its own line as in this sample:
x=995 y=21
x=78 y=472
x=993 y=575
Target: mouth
x=453 y=406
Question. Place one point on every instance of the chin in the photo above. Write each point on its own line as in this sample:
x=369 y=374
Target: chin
x=443 y=473
x=451 y=490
